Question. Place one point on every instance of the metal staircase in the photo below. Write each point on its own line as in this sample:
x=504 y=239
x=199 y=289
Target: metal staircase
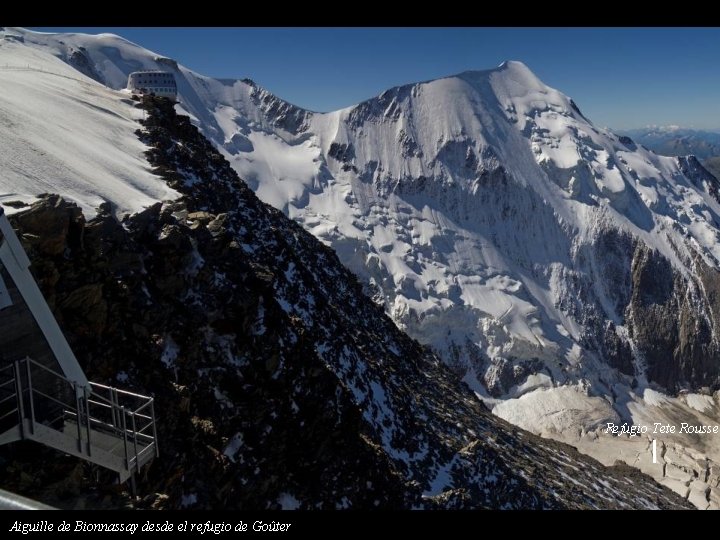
x=112 y=428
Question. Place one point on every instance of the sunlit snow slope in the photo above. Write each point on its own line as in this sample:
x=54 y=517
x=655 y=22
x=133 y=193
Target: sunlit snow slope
x=63 y=132
x=565 y=272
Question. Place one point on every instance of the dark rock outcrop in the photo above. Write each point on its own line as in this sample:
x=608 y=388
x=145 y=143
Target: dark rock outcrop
x=80 y=60
x=699 y=175
x=673 y=320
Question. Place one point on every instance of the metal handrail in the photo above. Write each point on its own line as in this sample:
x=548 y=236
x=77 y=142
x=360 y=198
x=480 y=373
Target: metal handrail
x=43 y=394
x=4 y=416
x=91 y=412
x=146 y=399
x=127 y=459
x=31 y=400
x=91 y=419
x=119 y=391
x=112 y=427
x=93 y=402
x=55 y=373
x=101 y=398
x=138 y=434
x=141 y=452
x=141 y=407
x=19 y=394
x=132 y=417
x=58 y=417
x=10 y=396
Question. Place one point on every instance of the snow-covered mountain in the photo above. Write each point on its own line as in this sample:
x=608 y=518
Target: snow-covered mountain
x=678 y=141
x=278 y=383
x=565 y=273
x=475 y=206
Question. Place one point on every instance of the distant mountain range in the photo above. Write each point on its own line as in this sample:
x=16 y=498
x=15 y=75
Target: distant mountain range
x=679 y=141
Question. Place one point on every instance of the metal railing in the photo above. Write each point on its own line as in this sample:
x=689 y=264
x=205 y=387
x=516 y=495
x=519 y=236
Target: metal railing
x=128 y=416
x=118 y=422
x=8 y=396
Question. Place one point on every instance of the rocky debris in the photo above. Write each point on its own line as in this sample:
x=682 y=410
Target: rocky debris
x=699 y=175
x=279 y=113
x=342 y=152
x=80 y=60
x=627 y=141
x=503 y=374
x=168 y=62
x=48 y=230
x=274 y=376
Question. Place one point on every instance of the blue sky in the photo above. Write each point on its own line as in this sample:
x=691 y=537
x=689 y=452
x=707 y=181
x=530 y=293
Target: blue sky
x=619 y=77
